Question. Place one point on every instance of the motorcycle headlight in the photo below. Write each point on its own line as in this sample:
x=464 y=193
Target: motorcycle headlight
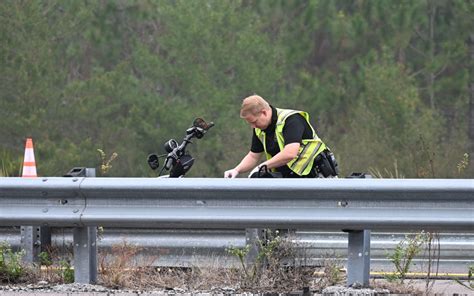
x=170 y=145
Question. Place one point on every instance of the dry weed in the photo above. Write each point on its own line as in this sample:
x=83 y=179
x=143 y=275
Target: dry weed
x=53 y=268
x=397 y=287
x=280 y=267
x=119 y=269
x=278 y=270
x=55 y=265
x=329 y=273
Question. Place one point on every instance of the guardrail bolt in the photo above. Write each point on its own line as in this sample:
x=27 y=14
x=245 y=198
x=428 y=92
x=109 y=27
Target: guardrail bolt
x=342 y=203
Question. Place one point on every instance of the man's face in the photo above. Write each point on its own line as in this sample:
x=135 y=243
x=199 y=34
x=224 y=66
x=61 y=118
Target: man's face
x=258 y=120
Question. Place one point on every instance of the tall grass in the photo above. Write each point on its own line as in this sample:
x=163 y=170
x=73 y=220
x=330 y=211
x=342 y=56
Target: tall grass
x=9 y=165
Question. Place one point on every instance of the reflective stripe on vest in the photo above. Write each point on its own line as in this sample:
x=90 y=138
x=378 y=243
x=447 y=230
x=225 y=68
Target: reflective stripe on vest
x=309 y=149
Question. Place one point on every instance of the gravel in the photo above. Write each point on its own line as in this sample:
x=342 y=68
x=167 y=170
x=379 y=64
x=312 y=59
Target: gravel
x=344 y=291
x=44 y=288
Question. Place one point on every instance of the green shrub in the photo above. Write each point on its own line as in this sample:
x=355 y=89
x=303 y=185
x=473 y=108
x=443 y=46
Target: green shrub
x=11 y=267
x=404 y=253
x=66 y=272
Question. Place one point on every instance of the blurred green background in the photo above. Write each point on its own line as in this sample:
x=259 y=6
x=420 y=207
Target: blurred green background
x=388 y=84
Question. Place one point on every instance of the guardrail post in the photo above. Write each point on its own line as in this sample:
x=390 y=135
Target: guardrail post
x=34 y=239
x=358 y=257
x=85 y=255
x=85 y=243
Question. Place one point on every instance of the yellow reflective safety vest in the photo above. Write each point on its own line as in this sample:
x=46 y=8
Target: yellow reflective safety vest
x=309 y=149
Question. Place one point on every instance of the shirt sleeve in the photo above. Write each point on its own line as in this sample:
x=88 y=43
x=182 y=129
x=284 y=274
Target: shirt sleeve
x=257 y=146
x=294 y=129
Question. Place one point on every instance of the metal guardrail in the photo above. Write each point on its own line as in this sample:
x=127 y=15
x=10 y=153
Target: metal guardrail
x=375 y=204
x=339 y=204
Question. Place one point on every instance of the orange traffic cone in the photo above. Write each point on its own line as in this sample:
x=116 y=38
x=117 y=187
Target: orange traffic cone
x=29 y=164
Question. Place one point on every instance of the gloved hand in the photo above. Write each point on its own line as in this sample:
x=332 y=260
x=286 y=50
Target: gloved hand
x=231 y=173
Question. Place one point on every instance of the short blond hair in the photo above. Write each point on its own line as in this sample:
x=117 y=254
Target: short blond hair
x=252 y=105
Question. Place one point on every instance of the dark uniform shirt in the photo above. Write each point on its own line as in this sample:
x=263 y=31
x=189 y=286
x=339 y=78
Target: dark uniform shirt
x=295 y=130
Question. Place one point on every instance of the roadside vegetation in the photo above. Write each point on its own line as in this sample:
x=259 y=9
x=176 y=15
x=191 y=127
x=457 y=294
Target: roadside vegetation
x=278 y=266
x=469 y=283
x=11 y=268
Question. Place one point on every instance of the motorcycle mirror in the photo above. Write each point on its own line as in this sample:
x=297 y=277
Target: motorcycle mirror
x=170 y=145
x=153 y=161
x=199 y=122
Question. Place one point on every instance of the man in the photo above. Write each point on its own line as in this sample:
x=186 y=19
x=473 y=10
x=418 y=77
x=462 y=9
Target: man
x=288 y=141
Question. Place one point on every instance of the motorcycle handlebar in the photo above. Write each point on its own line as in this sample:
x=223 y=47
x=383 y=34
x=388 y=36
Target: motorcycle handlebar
x=178 y=150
